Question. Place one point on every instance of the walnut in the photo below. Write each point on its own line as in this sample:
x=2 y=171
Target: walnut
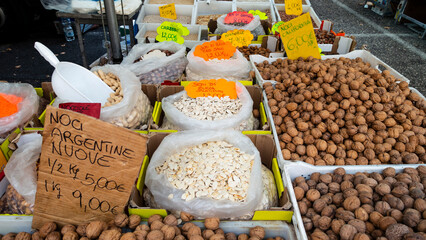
x=36 y=236
x=351 y=203
x=219 y=231
x=375 y=218
x=307 y=223
x=170 y=220
x=110 y=235
x=155 y=235
x=385 y=222
x=53 y=236
x=156 y=225
x=94 y=229
x=195 y=237
x=411 y=217
x=153 y=218
x=361 y=236
x=168 y=231
x=396 y=214
x=382 y=207
x=194 y=230
x=177 y=230
x=121 y=220
x=187 y=226
x=417 y=193
x=81 y=229
x=140 y=234
x=179 y=237
x=134 y=221
x=212 y=223
x=408 y=201
x=23 y=236
x=396 y=231
x=186 y=217
x=9 y=236
x=257 y=231
x=421 y=227
x=347 y=232
x=142 y=227
x=312 y=195
x=68 y=228
x=243 y=237
x=47 y=228
x=345 y=215
x=299 y=192
x=324 y=223
x=382 y=189
x=420 y=205
x=328 y=211
x=336 y=224
x=207 y=233
x=230 y=236
x=217 y=237
x=361 y=214
x=70 y=235
x=319 y=235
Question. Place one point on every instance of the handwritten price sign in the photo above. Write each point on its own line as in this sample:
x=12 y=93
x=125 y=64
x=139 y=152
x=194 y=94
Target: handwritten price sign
x=171 y=31
x=87 y=168
x=238 y=38
x=215 y=49
x=168 y=11
x=213 y=87
x=293 y=7
x=298 y=38
x=238 y=17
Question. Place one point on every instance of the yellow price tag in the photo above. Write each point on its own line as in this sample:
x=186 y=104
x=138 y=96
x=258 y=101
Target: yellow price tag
x=238 y=38
x=168 y=11
x=298 y=38
x=293 y=7
x=171 y=31
x=261 y=15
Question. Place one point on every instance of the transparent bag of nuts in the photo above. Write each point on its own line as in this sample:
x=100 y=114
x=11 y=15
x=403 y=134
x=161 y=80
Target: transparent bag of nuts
x=236 y=68
x=269 y=197
x=156 y=70
x=254 y=27
x=170 y=198
x=184 y=122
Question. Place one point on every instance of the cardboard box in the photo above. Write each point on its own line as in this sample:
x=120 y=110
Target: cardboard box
x=267 y=150
x=164 y=91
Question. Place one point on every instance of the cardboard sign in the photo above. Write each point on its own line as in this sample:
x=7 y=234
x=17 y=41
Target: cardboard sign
x=213 y=88
x=298 y=38
x=261 y=15
x=215 y=49
x=90 y=109
x=171 y=31
x=293 y=7
x=168 y=11
x=87 y=169
x=238 y=37
x=238 y=17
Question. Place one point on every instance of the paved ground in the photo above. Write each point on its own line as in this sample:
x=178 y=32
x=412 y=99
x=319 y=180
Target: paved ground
x=395 y=44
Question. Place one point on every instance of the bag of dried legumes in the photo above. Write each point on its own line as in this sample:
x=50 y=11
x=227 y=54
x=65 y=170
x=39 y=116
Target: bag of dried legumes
x=129 y=107
x=206 y=173
x=254 y=26
x=210 y=113
x=156 y=62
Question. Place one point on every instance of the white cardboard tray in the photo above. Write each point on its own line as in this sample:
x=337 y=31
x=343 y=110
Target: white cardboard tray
x=213 y=7
x=306 y=8
x=261 y=6
x=152 y=9
x=296 y=169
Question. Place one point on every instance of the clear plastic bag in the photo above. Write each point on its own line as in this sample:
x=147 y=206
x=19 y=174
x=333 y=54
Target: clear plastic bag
x=155 y=70
x=184 y=122
x=255 y=27
x=236 y=68
x=26 y=109
x=203 y=207
x=16 y=203
x=21 y=169
x=133 y=110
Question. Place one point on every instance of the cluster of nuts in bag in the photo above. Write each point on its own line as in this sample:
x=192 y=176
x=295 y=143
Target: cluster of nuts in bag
x=13 y=203
x=387 y=205
x=158 y=228
x=344 y=112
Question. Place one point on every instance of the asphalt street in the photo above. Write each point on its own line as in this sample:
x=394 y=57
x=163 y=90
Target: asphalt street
x=395 y=44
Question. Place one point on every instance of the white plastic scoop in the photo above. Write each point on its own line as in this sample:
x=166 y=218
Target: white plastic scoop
x=74 y=82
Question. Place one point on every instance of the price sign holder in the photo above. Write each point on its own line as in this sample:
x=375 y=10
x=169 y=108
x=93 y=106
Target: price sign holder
x=215 y=49
x=293 y=7
x=238 y=37
x=87 y=169
x=171 y=31
x=298 y=38
x=213 y=88
x=168 y=11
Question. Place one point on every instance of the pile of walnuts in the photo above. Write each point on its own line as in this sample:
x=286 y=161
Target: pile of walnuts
x=158 y=228
x=324 y=37
x=344 y=112
x=251 y=50
x=363 y=206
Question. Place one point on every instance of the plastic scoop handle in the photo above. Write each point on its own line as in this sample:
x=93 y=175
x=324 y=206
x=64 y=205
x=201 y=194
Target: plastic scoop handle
x=47 y=54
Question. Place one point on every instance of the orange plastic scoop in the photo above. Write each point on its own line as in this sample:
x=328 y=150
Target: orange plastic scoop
x=8 y=104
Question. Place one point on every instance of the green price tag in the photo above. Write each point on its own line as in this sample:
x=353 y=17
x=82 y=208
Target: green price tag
x=261 y=15
x=171 y=31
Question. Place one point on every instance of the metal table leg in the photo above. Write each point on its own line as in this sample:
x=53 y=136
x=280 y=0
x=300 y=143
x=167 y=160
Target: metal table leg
x=132 y=34
x=81 y=43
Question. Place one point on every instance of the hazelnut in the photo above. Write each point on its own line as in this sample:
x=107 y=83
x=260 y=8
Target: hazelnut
x=257 y=231
x=153 y=218
x=47 y=228
x=23 y=236
x=186 y=217
x=155 y=235
x=121 y=220
x=212 y=223
x=170 y=220
x=134 y=221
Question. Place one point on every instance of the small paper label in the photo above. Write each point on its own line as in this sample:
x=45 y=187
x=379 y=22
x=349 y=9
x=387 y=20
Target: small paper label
x=261 y=15
x=238 y=37
x=293 y=7
x=171 y=31
x=213 y=88
x=90 y=109
x=238 y=17
x=168 y=11
x=298 y=38
x=215 y=49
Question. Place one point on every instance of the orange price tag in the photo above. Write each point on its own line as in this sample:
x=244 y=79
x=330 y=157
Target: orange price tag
x=168 y=11
x=238 y=37
x=213 y=88
x=215 y=49
x=238 y=17
x=298 y=38
x=293 y=7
